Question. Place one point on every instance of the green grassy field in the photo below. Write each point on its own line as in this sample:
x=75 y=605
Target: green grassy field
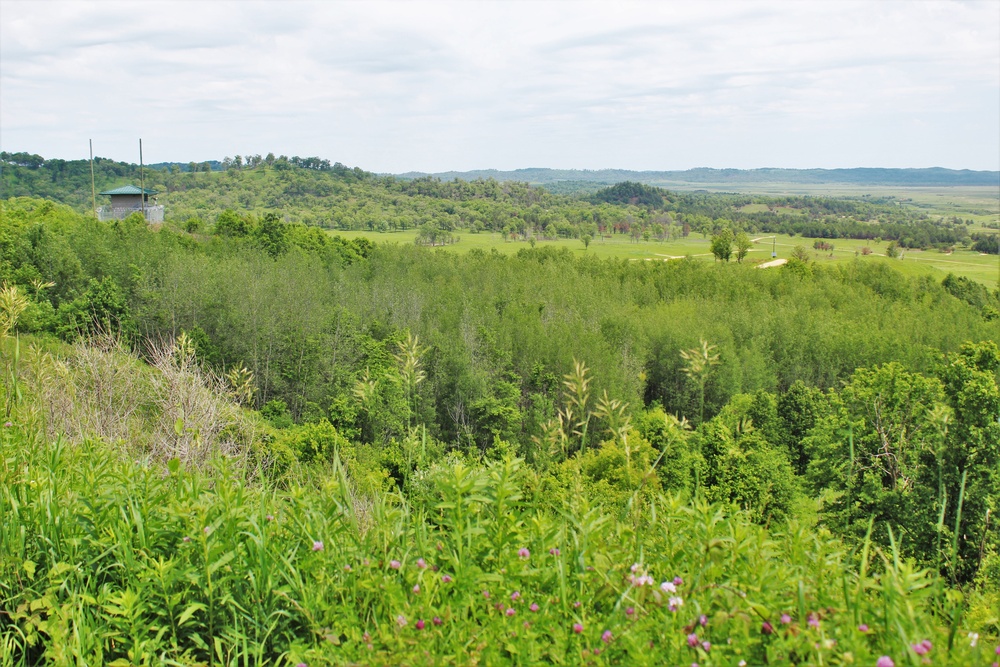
x=983 y=268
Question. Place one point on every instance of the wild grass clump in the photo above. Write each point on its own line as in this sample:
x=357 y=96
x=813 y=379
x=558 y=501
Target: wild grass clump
x=112 y=560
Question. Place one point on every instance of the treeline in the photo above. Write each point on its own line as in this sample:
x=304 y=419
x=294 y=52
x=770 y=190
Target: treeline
x=317 y=193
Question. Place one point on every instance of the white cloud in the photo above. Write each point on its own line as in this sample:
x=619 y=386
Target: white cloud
x=394 y=86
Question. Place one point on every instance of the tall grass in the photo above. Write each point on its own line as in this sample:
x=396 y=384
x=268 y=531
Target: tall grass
x=105 y=559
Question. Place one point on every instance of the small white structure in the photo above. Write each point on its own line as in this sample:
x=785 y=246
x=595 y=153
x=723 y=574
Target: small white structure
x=127 y=200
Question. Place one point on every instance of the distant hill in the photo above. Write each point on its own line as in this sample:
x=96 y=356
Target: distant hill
x=934 y=176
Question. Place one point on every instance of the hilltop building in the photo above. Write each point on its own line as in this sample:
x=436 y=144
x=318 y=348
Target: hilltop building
x=127 y=200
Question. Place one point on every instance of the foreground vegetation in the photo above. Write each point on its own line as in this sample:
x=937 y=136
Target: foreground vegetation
x=256 y=442
x=114 y=561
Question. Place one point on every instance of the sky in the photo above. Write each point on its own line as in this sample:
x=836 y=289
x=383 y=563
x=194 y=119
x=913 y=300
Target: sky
x=435 y=86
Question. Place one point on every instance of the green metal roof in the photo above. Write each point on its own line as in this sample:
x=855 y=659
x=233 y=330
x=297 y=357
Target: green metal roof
x=128 y=190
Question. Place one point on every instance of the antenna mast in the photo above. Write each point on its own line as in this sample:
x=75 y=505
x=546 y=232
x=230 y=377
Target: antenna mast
x=142 y=182
x=93 y=190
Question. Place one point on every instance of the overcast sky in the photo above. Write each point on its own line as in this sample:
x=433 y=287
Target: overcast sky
x=434 y=86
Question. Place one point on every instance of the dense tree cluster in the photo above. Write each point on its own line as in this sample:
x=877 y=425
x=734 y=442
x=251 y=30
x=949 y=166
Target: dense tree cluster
x=850 y=383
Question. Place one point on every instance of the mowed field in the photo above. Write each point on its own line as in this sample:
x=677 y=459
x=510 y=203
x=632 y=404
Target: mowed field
x=983 y=268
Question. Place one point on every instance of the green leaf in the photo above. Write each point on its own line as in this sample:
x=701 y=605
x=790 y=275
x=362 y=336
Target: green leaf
x=29 y=567
x=190 y=611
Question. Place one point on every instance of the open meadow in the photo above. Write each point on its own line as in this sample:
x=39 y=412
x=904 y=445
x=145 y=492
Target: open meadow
x=977 y=266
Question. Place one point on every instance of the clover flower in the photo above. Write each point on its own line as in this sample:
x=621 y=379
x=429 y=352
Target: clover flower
x=692 y=640
x=445 y=578
x=554 y=551
x=675 y=603
x=317 y=545
x=885 y=661
x=416 y=589
x=401 y=621
x=511 y=611
x=785 y=619
x=534 y=606
x=437 y=620
x=523 y=553
x=863 y=627
x=578 y=628
x=515 y=595
x=419 y=625
x=606 y=636
x=394 y=564
x=668 y=587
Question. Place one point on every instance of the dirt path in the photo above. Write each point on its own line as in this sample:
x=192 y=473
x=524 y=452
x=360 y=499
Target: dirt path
x=773 y=262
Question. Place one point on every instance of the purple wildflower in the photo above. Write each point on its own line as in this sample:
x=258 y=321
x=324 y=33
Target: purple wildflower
x=786 y=619
x=187 y=539
x=416 y=589
x=578 y=628
x=766 y=628
x=515 y=595
x=707 y=646
x=421 y=563
x=523 y=553
x=511 y=611
x=401 y=621
x=678 y=581
x=668 y=587
x=317 y=545
x=437 y=620
x=394 y=564
x=863 y=627
x=703 y=620
x=692 y=640
x=419 y=624
x=445 y=579
x=486 y=594
x=534 y=606
x=629 y=611
x=606 y=637
x=269 y=517
x=347 y=568
x=553 y=551
x=813 y=621
x=885 y=661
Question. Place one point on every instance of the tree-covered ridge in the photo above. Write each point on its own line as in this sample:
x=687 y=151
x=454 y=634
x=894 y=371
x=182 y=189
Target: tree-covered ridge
x=311 y=191
x=934 y=176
